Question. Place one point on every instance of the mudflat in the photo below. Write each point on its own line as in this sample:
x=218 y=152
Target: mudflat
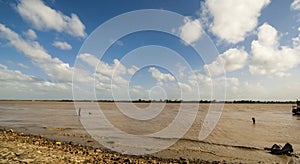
x=234 y=139
x=21 y=148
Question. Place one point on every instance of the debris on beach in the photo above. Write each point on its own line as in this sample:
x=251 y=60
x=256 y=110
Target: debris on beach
x=287 y=149
x=21 y=148
x=58 y=143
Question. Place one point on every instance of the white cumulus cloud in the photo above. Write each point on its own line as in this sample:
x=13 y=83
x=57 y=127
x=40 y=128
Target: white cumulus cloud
x=233 y=19
x=295 y=5
x=296 y=40
x=30 y=34
x=185 y=87
x=43 y=17
x=23 y=65
x=107 y=73
x=231 y=60
x=53 y=67
x=197 y=79
x=269 y=58
x=62 y=45
x=132 y=70
x=2 y=67
x=15 y=75
x=160 y=77
x=16 y=85
x=191 y=31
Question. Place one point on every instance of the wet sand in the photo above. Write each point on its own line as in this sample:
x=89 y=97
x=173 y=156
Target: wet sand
x=21 y=148
x=234 y=140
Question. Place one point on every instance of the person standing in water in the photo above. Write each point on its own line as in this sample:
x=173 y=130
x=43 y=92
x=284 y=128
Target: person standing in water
x=79 y=111
x=253 y=120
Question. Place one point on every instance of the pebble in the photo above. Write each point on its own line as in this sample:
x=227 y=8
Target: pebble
x=58 y=143
x=27 y=160
x=20 y=148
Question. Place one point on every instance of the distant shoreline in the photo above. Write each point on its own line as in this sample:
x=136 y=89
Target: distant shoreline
x=167 y=101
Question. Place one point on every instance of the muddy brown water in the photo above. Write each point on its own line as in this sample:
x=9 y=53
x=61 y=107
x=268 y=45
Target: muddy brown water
x=235 y=138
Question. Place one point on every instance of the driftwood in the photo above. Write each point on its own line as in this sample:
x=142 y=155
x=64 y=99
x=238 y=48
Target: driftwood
x=276 y=149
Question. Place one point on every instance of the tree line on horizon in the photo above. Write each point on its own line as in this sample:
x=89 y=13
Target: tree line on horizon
x=175 y=101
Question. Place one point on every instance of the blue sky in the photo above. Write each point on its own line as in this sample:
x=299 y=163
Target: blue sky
x=248 y=50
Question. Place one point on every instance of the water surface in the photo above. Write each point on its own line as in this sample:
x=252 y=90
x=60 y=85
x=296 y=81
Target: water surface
x=235 y=137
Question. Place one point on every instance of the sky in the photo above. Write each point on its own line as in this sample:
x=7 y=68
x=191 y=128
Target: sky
x=141 y=49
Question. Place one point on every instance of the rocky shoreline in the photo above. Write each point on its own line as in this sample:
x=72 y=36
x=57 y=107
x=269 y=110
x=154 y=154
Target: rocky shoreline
x=23 y=148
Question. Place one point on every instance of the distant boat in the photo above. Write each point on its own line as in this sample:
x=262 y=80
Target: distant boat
x=296 y=109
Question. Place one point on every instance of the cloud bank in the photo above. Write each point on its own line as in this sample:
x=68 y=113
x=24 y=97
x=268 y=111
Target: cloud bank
x=44 y=18
x=231 y=60
x=269 y=58
x=62 y=45
x=191 y=31
x=233 y=20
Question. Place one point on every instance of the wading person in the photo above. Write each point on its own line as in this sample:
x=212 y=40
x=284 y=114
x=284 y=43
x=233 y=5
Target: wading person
x=253 y=120
x=79 y=111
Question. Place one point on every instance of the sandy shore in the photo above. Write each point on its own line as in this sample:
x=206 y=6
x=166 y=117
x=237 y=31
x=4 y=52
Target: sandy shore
x=21 y=148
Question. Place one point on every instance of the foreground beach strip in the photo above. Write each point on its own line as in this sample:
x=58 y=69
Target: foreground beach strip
x=24 y=148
